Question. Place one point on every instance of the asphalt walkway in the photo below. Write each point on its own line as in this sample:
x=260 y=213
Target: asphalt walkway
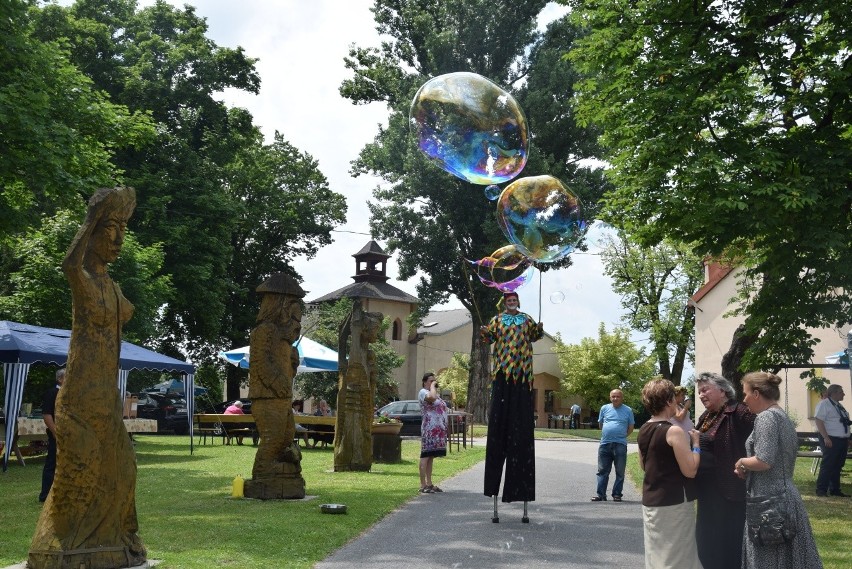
x=454 y=529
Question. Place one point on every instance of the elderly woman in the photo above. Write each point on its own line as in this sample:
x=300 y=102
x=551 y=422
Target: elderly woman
x=768 y=467
x=668 y=490
x=724 y=428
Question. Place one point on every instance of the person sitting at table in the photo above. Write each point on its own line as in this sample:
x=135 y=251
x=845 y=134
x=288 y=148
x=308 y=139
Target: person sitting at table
x=236 y=408
x=324 y=433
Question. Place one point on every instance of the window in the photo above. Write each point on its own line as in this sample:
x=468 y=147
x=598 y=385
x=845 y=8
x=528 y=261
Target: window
x=396 y=333
x=548 y=400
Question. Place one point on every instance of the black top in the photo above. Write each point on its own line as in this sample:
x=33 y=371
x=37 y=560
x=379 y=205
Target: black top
x=48 y=405
x=664 y=484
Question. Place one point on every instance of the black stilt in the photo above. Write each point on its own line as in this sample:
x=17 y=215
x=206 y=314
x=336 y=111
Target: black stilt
x=525 y=519
x=495 y=519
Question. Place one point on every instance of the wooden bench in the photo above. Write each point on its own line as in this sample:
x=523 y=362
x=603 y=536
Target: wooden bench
x=809 y=448
x=229 y=427
x=318 y=428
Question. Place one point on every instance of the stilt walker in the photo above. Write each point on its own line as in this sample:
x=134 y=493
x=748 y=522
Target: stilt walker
x=510 y=418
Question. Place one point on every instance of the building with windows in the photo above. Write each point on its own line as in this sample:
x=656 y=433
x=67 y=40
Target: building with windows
x=714 y=330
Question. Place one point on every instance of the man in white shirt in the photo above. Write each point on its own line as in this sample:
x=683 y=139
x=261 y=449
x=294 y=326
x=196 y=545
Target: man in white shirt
x=832 y=422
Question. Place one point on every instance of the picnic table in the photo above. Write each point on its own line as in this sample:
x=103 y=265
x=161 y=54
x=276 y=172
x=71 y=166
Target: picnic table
x=34 y=429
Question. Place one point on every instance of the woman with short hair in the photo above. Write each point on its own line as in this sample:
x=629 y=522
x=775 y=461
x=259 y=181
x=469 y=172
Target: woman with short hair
x=724 y=428
x=668 y=489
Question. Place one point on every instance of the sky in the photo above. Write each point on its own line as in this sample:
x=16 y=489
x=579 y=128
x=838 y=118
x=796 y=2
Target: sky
x=300 y=46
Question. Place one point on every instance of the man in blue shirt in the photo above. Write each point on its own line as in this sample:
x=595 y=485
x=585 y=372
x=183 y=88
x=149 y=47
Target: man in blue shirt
x=616 y=420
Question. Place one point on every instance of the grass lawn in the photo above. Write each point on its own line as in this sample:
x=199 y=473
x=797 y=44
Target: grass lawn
x=188 y=519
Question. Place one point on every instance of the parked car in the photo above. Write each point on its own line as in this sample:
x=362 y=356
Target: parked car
x=408 y=411
x=168 y=410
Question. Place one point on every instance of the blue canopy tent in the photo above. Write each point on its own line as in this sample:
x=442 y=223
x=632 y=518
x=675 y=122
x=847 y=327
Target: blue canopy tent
x=22 y=345
x=313 y=356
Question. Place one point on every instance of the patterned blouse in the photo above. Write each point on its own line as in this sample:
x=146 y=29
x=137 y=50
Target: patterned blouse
x=512 y=336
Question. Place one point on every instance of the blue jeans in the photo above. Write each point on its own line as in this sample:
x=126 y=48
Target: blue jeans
x=609 y=453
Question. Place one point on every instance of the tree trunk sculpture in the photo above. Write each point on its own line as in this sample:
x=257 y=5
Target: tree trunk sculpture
x=353 y=440
x=89 y=518
x=277 y=472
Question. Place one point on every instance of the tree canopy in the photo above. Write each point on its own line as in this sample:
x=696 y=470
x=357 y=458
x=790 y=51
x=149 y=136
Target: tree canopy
x=594 y=367
x=655 y=284
x=102 y=93
x=727 y=126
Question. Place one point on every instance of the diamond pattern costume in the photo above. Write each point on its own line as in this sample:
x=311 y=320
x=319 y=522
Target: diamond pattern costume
x=510 y=417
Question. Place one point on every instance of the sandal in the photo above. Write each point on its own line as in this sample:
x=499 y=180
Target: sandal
x=435 y=488
x=427 y=490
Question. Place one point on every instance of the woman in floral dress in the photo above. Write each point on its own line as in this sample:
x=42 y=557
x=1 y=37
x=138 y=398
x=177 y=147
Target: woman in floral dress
x=433 y=431
x=768 y=467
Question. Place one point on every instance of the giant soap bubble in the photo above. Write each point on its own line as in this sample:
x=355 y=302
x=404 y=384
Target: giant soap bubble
x=541 y=218
x=471 y=128
x=506 y=269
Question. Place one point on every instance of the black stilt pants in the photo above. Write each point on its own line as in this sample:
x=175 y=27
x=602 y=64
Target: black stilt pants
x=510 y=440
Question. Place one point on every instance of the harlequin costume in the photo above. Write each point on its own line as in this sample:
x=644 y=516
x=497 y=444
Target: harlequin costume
x=510 y=418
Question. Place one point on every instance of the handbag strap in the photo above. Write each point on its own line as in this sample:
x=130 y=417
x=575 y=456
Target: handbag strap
x=750 y=479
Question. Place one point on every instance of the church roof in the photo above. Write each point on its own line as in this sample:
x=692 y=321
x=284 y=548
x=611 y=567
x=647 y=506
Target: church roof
x=438 y=322
x=368 y=289
x=371 y=249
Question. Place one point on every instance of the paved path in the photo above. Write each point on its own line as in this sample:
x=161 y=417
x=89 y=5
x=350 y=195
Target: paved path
x=454 y=529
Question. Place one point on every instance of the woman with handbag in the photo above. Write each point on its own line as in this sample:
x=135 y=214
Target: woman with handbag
x=778 y=533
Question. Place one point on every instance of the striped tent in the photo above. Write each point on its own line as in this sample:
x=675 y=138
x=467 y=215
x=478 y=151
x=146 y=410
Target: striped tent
x=22 y=345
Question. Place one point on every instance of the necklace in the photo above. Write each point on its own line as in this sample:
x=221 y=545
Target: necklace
x=708 y=421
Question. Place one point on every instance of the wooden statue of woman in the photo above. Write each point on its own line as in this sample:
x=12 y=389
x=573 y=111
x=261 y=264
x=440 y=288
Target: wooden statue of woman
x=89 y=518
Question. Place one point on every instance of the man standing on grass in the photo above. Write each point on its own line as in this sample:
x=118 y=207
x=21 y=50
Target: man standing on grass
x=575 y=416
x=616 y=420
x=48 y=411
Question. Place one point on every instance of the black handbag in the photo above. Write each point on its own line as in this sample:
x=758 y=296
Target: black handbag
x=768 y=518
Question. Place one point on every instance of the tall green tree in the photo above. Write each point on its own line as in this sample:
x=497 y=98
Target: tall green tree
x=456 y=377
x=282 y=208
x=727 y=125
x=160 y=60
x=431 y=219
x=41 y=295
x=594 y=367
x=59 y=132
x=655 y=284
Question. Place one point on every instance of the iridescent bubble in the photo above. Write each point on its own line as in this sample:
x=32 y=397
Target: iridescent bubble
x=541 y=217
x=470 y=127
x=557 y=297
x=492 y=192
x=600 y=234
x=506 y=269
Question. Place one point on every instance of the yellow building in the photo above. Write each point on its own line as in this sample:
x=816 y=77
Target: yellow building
x=714 y=331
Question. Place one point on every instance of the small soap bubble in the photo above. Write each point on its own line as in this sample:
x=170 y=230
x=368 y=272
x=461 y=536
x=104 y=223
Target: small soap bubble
x=492 y=192
x=557 y=297
x=470 y=127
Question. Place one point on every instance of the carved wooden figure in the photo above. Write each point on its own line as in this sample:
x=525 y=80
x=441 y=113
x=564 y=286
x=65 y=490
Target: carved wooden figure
x=89 y=518
x=353 y=442
x=277 y=472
